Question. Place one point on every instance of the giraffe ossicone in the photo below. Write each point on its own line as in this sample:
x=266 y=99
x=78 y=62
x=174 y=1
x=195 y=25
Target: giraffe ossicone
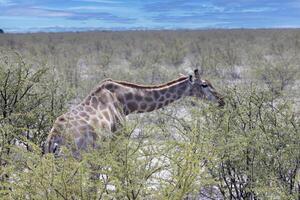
x=105 y=108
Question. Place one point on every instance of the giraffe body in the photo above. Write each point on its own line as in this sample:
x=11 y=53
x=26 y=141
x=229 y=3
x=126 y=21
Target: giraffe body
x=105 y=108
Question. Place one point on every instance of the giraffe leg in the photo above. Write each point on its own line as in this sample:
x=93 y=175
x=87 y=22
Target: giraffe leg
x=53 y=144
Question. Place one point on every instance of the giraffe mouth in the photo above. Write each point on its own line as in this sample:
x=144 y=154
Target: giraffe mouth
x=221 y=102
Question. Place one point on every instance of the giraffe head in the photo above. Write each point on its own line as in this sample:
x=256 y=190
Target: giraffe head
x=203 y=89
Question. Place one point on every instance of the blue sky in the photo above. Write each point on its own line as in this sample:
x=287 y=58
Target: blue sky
x=76 y=15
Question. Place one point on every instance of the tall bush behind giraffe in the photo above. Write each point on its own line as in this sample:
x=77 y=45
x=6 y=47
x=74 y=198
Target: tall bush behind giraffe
x=249 y=149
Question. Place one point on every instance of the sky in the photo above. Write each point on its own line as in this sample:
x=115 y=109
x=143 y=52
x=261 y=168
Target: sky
x=83 y=15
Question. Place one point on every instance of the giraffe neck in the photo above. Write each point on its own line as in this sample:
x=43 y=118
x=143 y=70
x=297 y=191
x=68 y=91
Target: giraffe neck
x=135 y=98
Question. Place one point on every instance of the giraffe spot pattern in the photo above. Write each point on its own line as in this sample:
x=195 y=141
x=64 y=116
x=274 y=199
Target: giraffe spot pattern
x=162 y=98
x=172 y=89
x=143 y=106
x=152 y=107
x=128 y=96
x=156 y=94
x=87 y=101
x=132 y=106
x=163 y=91
x=94 y=102
x=160 y=105
x=148 y=99
x=89 y=109
x=101 y=108
x=138 y=97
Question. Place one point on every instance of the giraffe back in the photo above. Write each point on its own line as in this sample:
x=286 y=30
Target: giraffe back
x=97 y=116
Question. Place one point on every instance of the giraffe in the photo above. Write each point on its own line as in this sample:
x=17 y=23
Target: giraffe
x=105 y=108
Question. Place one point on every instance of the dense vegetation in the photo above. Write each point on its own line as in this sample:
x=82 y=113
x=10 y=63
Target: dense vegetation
x=250 y=149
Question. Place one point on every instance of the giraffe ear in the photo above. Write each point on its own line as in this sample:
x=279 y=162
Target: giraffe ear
x=191 y=78
x=197 y=75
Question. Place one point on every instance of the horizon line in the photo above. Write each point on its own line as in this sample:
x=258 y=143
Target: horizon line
x=121 y=29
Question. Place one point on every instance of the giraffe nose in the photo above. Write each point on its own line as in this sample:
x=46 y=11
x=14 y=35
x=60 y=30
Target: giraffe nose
x=221 y=102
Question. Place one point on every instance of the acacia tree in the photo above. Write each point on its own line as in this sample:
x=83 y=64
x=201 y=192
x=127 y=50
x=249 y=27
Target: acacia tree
x=28 y=101
x=255 y=144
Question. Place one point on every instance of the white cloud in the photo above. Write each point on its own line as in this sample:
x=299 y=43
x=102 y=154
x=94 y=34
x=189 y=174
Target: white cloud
x=256 y=10
x=84 y=8
x=37 y=12
x=6 y=3
x=100 y=1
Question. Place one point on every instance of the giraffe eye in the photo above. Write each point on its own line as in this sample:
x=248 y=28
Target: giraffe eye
x=204 y=85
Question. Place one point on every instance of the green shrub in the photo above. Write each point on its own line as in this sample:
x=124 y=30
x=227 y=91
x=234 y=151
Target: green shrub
x=247 y=150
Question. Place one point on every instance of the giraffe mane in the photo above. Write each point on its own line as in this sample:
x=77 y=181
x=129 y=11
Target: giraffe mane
x=133 y=85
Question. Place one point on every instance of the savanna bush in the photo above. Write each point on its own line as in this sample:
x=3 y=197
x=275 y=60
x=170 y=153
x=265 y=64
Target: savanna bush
x=247 y=150
x=255 y=146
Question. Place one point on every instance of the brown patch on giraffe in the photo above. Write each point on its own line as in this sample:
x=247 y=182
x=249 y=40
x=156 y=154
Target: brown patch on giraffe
x=168 y=95
x=163 y=91
x=71 y=118
x=180 y=92
x=109 y=86
x=149 y=99
x=80 y=108
x=132 y=106
x=162 y=98
x=81 y=121
x=103 y=98
x=94 y=102
x=172 y=89
x=74 y=123
x=74 y=111
x=160 y=105
x=87 y=101
x=128 y=96
x=94 y=121
x=106 y=115
x=82 y=129
x=88 y=109
x=101 y=106
x=156 y=94
x=83 y=114
x=152 y=107
x=167 y=102
x=121 y=99
x=183 y=87
x=114 y=88
x=175 y=96
x=77 y=117
x=143 y=106
x=98 y=90
x=138 y=97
